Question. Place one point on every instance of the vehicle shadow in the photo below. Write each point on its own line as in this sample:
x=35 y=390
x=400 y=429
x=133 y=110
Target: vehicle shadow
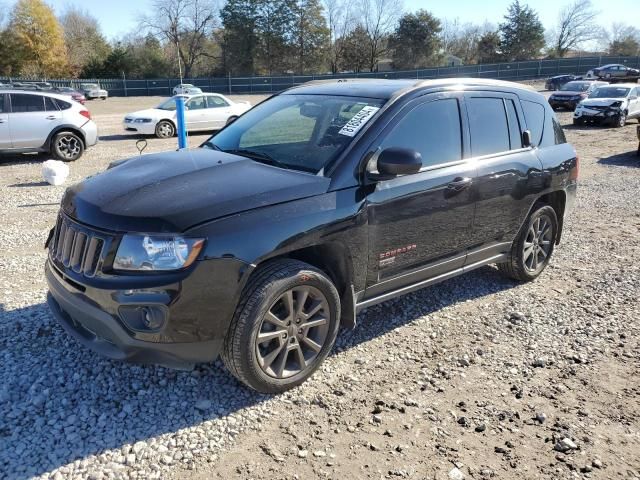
x=24 y=158
x=124 y=136
x=30 y=184
x=627 y=159
x=60 y=402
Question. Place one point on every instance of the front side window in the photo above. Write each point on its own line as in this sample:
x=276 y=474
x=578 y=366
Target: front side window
x=169 y=105
x=196 y=103
x=488 y=125
x=22 y=103
x=432 y=129
x=301 y=132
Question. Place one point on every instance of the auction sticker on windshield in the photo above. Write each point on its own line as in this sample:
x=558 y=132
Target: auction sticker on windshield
x=358 y=121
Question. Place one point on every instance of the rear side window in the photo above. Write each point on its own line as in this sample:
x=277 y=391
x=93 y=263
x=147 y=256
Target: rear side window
x=534 y=115
x=21 y=103
x=215 y=102
x=558 y=133
x=2 y=109
x=50 y=104
x=488 y=125
x=433 y=129
x=515 y=131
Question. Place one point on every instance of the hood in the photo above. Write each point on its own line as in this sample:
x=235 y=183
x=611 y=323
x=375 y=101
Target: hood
x=148 y=113
x=170 y=192
x=601 y=102
x=566 y=93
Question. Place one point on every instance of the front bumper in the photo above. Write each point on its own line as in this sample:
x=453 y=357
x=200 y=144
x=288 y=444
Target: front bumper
x=568 y=104
x=141 y=128
x=100 y=330
x=603 y=116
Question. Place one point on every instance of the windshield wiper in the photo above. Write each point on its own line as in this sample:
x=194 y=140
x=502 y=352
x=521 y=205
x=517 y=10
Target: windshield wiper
x=212 y=145
x=258 y=156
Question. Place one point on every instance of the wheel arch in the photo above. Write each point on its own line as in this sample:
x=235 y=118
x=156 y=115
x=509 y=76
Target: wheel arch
x=556 y=200
x=64 y=128
x=335 y=261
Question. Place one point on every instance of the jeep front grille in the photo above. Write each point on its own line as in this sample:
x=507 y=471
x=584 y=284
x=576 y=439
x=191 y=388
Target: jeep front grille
x=76 y=247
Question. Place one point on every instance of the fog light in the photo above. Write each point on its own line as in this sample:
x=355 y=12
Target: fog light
x=144 y=318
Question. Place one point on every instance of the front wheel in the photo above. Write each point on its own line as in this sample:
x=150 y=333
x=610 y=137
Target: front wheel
x=532 y=249
x=621 y=120
x=67 y=146
x=284 y=327
x=165 y=129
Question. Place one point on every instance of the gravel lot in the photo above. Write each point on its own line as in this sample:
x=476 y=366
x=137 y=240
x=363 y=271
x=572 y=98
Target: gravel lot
x=477 y=377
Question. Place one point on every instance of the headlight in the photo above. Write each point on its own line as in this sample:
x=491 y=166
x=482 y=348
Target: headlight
x=156 y=252
x=142 y=120
x=616 y=104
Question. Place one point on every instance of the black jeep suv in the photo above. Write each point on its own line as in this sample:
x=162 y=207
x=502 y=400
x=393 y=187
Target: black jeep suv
x=321 y=201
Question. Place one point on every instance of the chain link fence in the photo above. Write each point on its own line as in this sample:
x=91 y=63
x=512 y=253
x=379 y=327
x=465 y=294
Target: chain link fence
x=526 y=70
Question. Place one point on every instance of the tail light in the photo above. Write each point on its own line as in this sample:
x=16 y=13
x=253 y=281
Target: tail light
x=86 y=114
x=574 y=172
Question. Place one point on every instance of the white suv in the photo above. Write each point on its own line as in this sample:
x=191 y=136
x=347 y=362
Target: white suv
x=44 y=122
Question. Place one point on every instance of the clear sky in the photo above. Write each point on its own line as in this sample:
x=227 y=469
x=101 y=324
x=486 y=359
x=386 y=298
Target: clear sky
x=119 y=17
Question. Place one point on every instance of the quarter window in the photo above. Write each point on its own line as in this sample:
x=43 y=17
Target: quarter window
x=21 y=103
x=433 y=129
x=50 y=105
x=488 y=125
x=515 y=131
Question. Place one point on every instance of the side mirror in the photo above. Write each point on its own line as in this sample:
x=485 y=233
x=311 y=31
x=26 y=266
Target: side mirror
x=526 y=139
x=399 y=161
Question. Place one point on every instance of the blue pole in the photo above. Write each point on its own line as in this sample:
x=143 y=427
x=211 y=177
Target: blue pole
x=182 y=129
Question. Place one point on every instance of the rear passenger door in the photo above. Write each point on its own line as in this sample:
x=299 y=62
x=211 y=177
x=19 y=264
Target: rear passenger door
x=217 y=111
x=508 y=173
x=32 y=119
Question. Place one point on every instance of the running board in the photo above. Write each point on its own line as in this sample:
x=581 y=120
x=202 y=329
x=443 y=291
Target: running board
x=430 y=281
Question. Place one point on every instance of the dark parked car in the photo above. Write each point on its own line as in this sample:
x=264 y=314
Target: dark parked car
x=572 y=93
x=321 y=201
x=71 y=92
x=617 y=73
x=554 y=83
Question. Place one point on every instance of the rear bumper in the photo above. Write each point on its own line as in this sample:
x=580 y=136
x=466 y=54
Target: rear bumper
x=102 y=332
x=90 y=130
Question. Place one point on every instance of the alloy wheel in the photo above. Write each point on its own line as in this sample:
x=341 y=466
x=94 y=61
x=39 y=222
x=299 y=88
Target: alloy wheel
x=293 y=332
x=538 y=244
x=165 y=130
x=68 y=146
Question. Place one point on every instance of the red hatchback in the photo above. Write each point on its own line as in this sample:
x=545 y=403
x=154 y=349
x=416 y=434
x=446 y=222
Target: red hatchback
x=70 y=92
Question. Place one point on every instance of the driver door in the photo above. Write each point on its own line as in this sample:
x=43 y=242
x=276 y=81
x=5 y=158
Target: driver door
x=420 y=225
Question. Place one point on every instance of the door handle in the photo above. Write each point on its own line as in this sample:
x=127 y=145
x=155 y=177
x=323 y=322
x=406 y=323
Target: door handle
x=459 y=183
x=51 y=117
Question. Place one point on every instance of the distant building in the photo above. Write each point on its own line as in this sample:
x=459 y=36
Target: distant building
x=452 y=60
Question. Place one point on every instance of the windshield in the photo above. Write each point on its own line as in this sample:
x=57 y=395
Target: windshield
x=610 y=92
x=576 y=87
x=302 y=132
x=168 y=105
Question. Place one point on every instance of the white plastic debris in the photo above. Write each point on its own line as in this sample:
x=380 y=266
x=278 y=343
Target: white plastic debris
x=55 y=172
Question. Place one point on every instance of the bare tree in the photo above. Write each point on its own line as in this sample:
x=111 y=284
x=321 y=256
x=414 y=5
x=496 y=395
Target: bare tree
x=576 y=26
x=462 y=39
x=340 y=21
x=379 y=18
x=186 y=24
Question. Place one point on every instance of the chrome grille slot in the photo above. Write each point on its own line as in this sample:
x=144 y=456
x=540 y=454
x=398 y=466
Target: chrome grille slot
x=77 y=247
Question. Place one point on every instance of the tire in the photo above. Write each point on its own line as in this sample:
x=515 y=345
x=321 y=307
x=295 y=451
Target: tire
x=519 y=265
x=67 y=146
x=165 y=129
x=230 y=120
x=103 y=98
x=621 y=120
x=273 y=364
x=578 y=121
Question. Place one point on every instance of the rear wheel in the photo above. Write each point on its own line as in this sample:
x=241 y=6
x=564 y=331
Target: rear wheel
x=67 y=146
x=284 y=327
x=165 y=129
x=231 y=119
x=532 y=249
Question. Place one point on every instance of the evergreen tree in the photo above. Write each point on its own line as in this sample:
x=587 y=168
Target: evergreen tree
x=274 y=24
x=310 y=36
x=239 y=37
x=522 y=33
x=356 y=50
x=489 y=48
x=416 y=42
